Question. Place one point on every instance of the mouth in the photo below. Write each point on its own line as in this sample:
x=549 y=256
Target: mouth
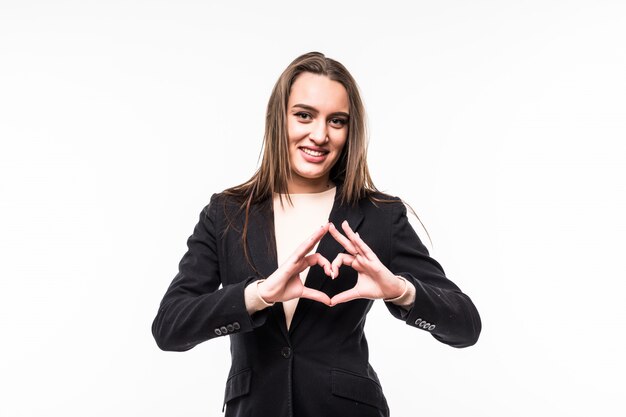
x=313 y=152
x=314 y=156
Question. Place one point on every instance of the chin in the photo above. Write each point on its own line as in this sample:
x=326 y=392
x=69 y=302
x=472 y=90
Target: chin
x=310 y=175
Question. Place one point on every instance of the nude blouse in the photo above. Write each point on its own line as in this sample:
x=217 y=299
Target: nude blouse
x=293 y=225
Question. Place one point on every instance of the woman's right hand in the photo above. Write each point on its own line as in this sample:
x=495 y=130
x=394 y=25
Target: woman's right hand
x=285 y=283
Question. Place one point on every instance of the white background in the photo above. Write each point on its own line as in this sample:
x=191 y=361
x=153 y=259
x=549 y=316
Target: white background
x=501 y=122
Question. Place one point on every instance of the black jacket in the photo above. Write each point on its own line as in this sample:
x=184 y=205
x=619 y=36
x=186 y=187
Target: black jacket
x=320 y=366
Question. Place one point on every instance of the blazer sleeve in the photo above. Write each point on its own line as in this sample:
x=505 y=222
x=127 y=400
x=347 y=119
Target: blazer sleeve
x=440 y=307
x=194 y=308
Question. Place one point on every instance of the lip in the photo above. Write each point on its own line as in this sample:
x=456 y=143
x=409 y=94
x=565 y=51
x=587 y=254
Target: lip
x=311 y=158
x=315 y=148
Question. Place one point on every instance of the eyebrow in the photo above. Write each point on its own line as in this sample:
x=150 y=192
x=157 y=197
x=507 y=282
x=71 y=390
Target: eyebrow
x=313 y=109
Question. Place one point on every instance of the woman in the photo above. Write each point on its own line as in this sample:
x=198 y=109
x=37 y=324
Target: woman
x=268 y=265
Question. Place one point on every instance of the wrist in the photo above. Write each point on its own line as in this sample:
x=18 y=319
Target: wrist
x=400 y=288
x=263 y=292
x=254 y=301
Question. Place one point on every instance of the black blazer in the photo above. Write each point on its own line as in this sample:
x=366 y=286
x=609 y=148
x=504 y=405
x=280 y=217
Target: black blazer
x=320 y=366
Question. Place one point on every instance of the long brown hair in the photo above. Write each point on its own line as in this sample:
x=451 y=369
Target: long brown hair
x=350 y=171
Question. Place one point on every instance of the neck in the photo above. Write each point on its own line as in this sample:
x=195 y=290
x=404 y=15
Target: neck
x=306 y=185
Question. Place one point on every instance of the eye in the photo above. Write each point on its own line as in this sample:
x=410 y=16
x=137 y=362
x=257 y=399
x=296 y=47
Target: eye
x=338 y=122
x=302 y=115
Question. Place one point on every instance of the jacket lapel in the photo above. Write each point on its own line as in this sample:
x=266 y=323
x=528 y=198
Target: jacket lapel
x=262 y=247
x=260 y=239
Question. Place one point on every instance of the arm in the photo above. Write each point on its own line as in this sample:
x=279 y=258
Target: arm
x=194 y=309
x=439 y=307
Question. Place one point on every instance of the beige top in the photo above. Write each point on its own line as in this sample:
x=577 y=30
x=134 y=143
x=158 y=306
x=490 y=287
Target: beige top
x=293 y=225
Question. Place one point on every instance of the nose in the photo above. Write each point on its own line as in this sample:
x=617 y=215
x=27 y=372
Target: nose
x=319 y=132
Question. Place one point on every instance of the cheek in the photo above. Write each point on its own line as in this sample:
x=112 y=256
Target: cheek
x=339 y=139
x=295 y=130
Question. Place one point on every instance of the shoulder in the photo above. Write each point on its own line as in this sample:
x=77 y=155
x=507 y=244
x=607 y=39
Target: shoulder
x=221 y=202
x=230 y=205
x=377 y=200
x=382 y=207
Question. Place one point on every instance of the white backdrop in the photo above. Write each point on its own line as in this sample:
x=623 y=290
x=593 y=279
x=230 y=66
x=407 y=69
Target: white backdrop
x=501 y=123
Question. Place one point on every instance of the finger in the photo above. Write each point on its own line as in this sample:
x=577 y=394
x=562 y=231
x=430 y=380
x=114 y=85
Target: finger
x=365 y=249
x=318 y=259
x=342 y=297
x=306 y=246
x=341 y=259
x=343 y=241
x=315 y=295
x=356 y=240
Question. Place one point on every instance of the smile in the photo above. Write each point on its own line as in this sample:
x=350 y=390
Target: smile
x=314 y=156
x=312 y=152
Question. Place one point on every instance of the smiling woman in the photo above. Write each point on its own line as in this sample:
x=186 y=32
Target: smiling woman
x=317 y=130
x=282 y=280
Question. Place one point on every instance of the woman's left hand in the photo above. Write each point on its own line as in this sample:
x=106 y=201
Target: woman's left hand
x=374 y=279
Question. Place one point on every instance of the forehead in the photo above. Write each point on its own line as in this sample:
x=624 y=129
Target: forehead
x=320 y=92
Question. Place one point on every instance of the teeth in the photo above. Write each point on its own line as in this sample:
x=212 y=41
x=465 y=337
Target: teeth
x=312 y=152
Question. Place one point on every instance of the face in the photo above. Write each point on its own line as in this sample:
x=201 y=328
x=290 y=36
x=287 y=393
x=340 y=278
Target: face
x=317 y=127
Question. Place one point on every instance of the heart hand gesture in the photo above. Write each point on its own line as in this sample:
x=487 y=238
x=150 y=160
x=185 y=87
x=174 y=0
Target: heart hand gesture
x=285 y=283
x=374 y=280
